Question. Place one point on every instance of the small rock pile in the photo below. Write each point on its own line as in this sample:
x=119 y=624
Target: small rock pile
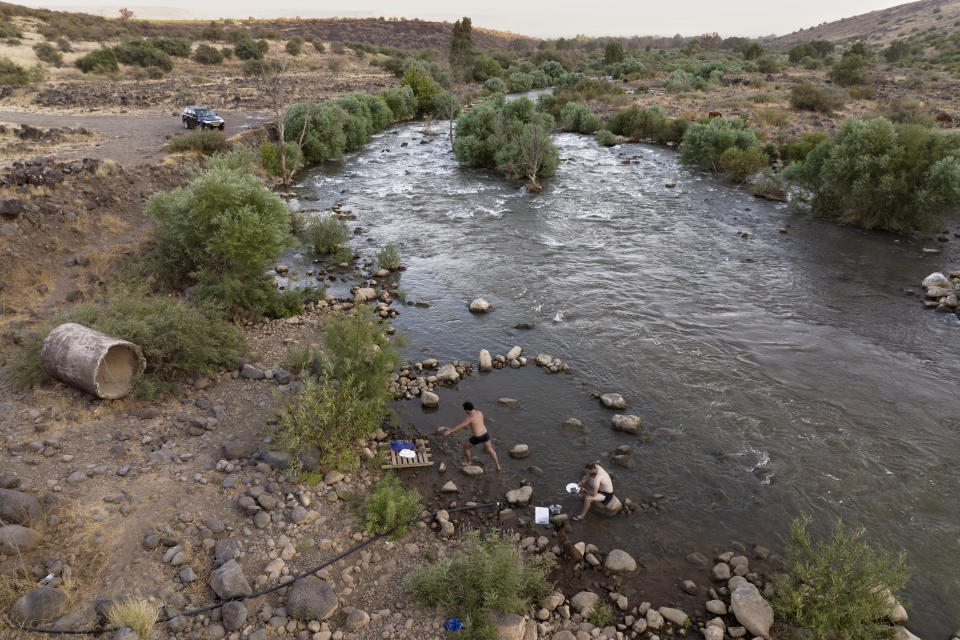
x=942 y=292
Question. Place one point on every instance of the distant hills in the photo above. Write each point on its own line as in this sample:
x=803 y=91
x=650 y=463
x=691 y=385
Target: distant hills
x=882 y=26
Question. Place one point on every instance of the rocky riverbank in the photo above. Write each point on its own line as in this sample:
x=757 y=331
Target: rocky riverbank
x=942 y=292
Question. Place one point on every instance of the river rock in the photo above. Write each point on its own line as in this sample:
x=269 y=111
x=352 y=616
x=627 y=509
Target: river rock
x=510 y=626
x=936 y=279
x=514 y=353
x=573 y=426
x=16 y=539
x=228 y=581
x=449 y=487
x=543 y=360
x=720 y=572
x=751 y=610
x=619 y=561
x=311 y=598
x=43 y=604
x=448 y=373
x=716 y=607
x=485 y=362
x=17 y=507
x=364 y=294
x=895 y=612
x=472 y=470
x=429 y=399
x=612 y=508
x=713 y=633
x=583 y=602
x=901 y=633
x=654 y=619
x=613 y=401
x=520 y=497
x=626 y=423
x=676 y=616
x=480 y=306
x=519 y=451
x=509 y=403
x=234 y=615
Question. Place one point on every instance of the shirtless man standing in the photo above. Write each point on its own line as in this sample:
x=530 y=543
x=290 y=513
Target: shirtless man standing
x=480 y=435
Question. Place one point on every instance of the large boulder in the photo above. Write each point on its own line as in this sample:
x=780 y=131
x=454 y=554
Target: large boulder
x=448 y=373
x=751 y=610
x=485 y=362
x=16 y=539
x=510 y=626
x=676 y=616
x=619 y=561
x=364 y=294
x=228 y=581
x=584 y=602
x=613 y=401
x=43 y=604
x=514 y=353
x=936 y=279
x=311 y=598
x=520 y=497
x=612 y=508
x=626 y=423
x=895 y=613
x=17 y=507
x=480 y=306
x=429 y=399
x=233 y=616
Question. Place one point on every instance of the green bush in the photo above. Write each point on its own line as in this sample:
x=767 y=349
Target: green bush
x=492 y=574
x=13 y=74
x=248 y=49
x=875 y=174
x=908 y=111
x=638 y=124
x=401 y=101
x=602 y=615
x=227 y=53
x=851 y=70
x=205 y=54
x=204 y=142
x=519 y=82
x=140 y=53
x=678 y=80
x=48 y=53
x=495 y=85
x=838 y=589
x=64 y=45
x=221 y=232
x=815 y=49
x=424 y=87
x=768 y=64
x=389 y=257
x=294 y=45
x=318 y=45
x=326 y=234
x=861 y=92
x=577 y=117
x=511 y=137
x=771 y=186
x=806 y=97
x=606 y=138
x=741 y=164
x=705 y=142
x=389 y=506
x=176 y=47
x=797 y=150
x=99 y=61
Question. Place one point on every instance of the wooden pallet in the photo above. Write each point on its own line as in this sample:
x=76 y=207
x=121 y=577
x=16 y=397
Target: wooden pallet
x=422 y=459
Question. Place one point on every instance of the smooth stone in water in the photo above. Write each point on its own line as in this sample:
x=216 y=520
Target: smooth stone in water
x=429 y=399
x=626 y=423
x=613 y=401
x=619 y=561
x=480 y=306
x=519 y=451
x=485 y=362
x=751 y=610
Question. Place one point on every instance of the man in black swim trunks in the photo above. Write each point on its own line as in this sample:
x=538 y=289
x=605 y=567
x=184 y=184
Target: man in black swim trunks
x=596 y=486
x=480 y=435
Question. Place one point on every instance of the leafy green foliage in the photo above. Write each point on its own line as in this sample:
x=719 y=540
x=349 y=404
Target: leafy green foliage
x=221 y=232
x=838 y=589
x=638 y=124
x=495 y=85
x=423 y=85
x=176 y=47
x=850 y=70
x=905 y=110
x=815 y=49
x=250 y=49
x=294 y=45
x=13 y=74
x=98 y=61
x=401 y=101
x=511 y=137
x=705 y=142
x=141 y=53
x=492 y=574
x=390 y=505
x=461 y=44
x=577 y=117
x=678 y=80
x=606 y=138
x=752 y=51
x=602 y=615
x=327 y=233
x=741 y=164
x=612 y=53
x=875 y=174
x=806 y=97
x=204 y=142
x=798 y=150
x=205 y=54
x=48 y=53
x=389 y=257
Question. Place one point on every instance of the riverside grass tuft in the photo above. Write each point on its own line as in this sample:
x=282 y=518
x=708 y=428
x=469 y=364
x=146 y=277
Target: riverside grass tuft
x=390 y=505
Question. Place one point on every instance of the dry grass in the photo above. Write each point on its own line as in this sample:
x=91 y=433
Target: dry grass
x=136 y=614
x=202 y=563
x=106 y=168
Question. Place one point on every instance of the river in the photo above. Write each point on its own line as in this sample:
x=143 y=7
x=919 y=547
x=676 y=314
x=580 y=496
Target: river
x=789 y=369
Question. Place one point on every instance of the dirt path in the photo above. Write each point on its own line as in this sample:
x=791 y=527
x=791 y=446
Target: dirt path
x=130 y=138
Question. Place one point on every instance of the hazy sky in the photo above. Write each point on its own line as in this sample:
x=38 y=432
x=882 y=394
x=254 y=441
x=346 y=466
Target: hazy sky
x=542 y=18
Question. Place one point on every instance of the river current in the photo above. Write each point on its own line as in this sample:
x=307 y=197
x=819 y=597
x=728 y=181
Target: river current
x=779 y=357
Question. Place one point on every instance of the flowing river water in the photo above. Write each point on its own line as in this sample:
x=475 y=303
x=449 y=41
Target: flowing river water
x=785 y=372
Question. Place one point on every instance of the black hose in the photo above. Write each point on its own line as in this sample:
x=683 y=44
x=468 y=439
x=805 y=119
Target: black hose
x=337 y=558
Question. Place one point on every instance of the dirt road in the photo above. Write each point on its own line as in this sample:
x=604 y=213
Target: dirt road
x=129 y=138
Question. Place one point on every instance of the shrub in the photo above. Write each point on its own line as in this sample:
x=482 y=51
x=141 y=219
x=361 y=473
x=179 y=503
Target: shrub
x=140 y=53
x=838 y=588
x=48 y=53
x=861 y=92
x=606 y=138
x=908 y=111
x=577 y=117
x=203 y=142
x=613 y=52
x=64 y=45
x=637 y=124
x=771 y=186
x=752 y=51
x=402 y=102
x=602 y=615
x=705 y=143
x=13 y=74
x=492 y=574
x=850 y=70
x=495 y=85
x=98 y=61
x=389 y=506
x=294 y=45
x=176 y=47
x=423 y=85
x=205 y=54
x=213 y=32
x=768 y=64
x=740 y=164
x=798 y=150
x=875 y=174
x=518 y=82
x=318 y=45
x=221 y=232
x=248 y=49
x=511 y=137
x=135 y=614
x=9 y=32
x=678 y=80
x=389 y=257
x=806 y=97
x=773 y=117
x=327 y=233
x=227 y=53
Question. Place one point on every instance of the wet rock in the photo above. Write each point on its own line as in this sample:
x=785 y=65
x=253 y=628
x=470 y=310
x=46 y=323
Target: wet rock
x=543 y=360
x=364 y=294
x=573 y=426
x=233 y=616
x=689 y=586
x=311 y=598
x=936 y=279
x=17 y=507
x=895 y=612
x=626 y=423
x=584 y=602
x=713 y=633
x=429 y=399
x=698 y=559
x=613 y=401
x=612 y=508
x=228 y=581
x=514 y=353
x=16 y=539
x=520 y=497
x=751 y=610
x=619 y=561
x=519 y=451
x=480 y=306
x=509 y=403
x=43 y=604
x=720 y=572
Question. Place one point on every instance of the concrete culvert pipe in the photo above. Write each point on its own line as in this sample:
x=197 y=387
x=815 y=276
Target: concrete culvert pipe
x=92 y=361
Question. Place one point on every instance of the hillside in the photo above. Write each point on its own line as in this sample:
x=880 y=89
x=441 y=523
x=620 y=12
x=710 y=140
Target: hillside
x=882 y=26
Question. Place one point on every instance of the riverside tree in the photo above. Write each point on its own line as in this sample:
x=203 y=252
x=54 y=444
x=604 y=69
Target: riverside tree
x=461 y=45
x=512 y=138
